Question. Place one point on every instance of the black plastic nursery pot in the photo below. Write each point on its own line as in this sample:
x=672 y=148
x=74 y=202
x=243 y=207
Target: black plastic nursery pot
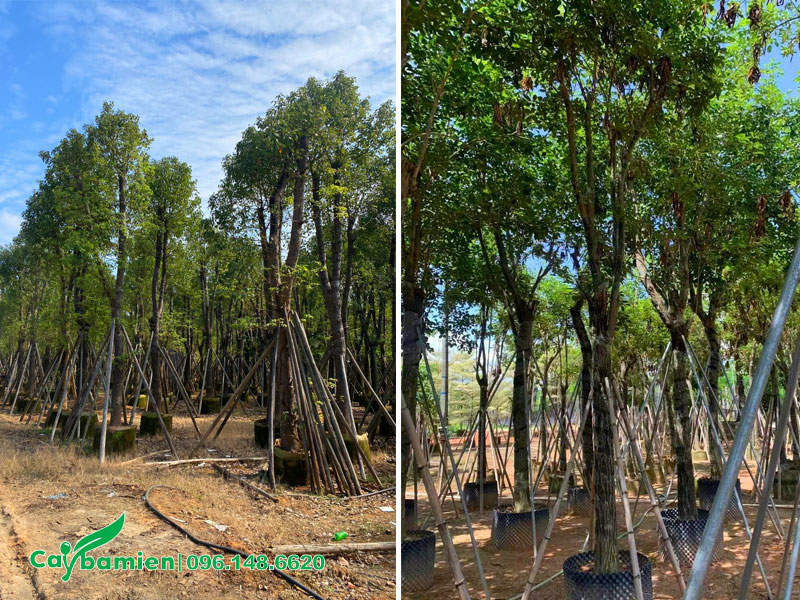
x=514 y=530
x=261 y=432
x=417 y=556
x=580 y=501
x=785 y=485
x=472 y=492
x=686 y=536
x=410 y=511
x=582 y=583
x=707 y=489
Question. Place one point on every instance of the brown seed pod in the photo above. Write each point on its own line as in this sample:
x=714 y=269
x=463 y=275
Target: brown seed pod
x=753 y=75
x=497 y=114
x=731 y=14
x=677 y=207
x=760 y=228
x=787 y=204
x=754 y=15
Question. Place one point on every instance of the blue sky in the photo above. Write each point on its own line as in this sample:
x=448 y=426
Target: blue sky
x=197 y=73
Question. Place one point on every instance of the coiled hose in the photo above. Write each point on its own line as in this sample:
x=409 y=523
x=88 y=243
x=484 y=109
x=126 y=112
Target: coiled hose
x=286 y=577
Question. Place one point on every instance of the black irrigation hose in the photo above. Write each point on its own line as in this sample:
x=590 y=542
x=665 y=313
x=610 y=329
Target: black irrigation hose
x=288 y=578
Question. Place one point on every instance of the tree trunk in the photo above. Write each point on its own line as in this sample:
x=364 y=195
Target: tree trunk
x=604 y=461
x=484 y=403
x=712 y=374
x=413 y=305
x=587 y=443
x=682 y=443
x=562 y=442
x=117 y=369
x=520 y=398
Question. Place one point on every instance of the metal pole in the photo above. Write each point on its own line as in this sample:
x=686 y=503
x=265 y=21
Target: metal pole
x=772 y=466
x=717 y=513
x=433 y=498
x=448 y=450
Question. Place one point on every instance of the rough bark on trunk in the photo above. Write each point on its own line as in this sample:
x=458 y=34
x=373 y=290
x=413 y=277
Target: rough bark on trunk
x=712 y=374
x=413 y=304
x=587 y=442
x=682 y=442
x=562 y=441
x=520 y=398
x=330 y=283
x=117 y=369
x=155 y=357
x=605 y=507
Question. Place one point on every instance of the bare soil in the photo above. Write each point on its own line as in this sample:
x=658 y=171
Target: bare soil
x=53 y=494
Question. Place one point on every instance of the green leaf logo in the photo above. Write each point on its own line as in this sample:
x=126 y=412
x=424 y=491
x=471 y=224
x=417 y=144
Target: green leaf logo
x=90 y=542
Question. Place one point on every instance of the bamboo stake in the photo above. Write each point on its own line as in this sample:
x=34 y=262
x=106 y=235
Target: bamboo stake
x=537 y=563
x=150 y=395
x=436 y=507
x=230 y=404
x=375 y=397
x=107 y=382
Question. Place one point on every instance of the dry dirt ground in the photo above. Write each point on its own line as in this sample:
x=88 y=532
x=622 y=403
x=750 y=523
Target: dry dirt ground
x=54 y=494
x=507 y=570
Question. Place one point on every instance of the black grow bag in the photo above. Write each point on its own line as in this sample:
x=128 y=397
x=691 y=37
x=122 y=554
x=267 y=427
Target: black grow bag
x=513 y=530
x=686 y=536
x=417 y=556
x=707 y=489
x=472 y=492
x=410 y=508
x=579 y=501
x=583 y=583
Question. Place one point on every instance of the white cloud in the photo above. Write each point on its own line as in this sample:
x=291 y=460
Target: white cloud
x=198 y=74
x=9 y=226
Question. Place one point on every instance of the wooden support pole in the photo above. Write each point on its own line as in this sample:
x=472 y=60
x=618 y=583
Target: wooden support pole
x=150 y=395
x=436 y=507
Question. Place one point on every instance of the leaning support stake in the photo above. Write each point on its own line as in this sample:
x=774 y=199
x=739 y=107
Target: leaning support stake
x=717 y=513
x=232 y=402
x=106 y=389
x=772 y=466
x=150 y=394
x=662 y=529
x=436 y=507
x=623 y=492
x=537 y=563
x=448 y=450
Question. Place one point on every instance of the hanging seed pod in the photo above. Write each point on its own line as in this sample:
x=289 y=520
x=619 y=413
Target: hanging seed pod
x=677 y=207
x=754 y=15
x=787 y=204
x=753 y=75
x=731 y=14
x=497 y=114
x=760 y=228
x=664 y=71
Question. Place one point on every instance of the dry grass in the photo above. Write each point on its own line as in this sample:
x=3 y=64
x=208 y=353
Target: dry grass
x=31 y=471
